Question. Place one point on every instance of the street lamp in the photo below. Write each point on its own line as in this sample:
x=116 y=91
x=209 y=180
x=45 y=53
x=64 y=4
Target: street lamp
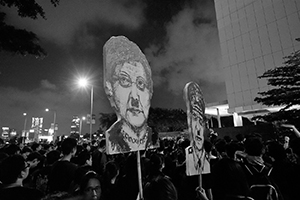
x=83 y=82
x=80 y=125
x=25 y=122
x=54 y=120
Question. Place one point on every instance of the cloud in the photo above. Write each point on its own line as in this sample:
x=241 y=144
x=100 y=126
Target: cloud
x=65 y=19
x=190 y=51
x=47 y=85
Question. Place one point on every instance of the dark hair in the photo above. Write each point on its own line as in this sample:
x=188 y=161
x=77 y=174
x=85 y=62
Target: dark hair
x=34 y=146
x=231 y=148
x=34 y=155
x=254 y=146
x=207 y=145
x=111 y=169
x=277 y=151
x=52 y=157
x=228 y=178
x=12 y=149
x=68 y=145
x=86 y=178
x=156 y=162
x=227 y=138
x=10 y=168
x=82 y=157
x=3 y=155
x=26 y=149
x=239 y=137
x=160 y=188
x=102 y=143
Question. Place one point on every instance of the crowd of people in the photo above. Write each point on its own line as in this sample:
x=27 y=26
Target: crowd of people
x=70 y=169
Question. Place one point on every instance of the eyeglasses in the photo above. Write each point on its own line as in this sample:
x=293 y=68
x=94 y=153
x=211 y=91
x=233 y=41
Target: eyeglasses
x=126 y=81
x=92 y=189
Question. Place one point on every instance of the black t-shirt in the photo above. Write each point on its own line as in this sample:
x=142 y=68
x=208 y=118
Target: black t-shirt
x=20 y=193
x=61 y=176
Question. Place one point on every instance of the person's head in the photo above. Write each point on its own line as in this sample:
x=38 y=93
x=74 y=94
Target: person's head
x=102 y=144
x=127 y=80
x=12 y=149
x=36 y=146
x=195 y=111
x=156 y=162
x=13 y=168
x=68 y=146
x=26 y=151
x=52 y=157
x=84 y=158
x=231 y=148
x=160 y=188
x=111 y=170
x=228 y=178
x=254 y=146
x=276 y=150
x=90 y=186
x=34 y=159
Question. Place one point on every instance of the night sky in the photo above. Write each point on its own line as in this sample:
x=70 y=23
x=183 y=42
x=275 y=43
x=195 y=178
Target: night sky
x=179 y=39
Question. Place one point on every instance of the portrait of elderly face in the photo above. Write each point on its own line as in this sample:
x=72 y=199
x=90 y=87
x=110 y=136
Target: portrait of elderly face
x=130 y=87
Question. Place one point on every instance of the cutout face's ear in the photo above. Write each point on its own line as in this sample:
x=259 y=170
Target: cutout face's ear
x=108 y=89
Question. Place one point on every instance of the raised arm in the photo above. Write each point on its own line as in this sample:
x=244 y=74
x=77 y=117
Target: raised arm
x=293 y=128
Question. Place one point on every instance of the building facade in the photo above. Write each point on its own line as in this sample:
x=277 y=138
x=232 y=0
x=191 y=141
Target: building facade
x=254 y=35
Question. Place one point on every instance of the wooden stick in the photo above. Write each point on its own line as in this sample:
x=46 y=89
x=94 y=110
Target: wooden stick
x=200 y=180
x=139 y=175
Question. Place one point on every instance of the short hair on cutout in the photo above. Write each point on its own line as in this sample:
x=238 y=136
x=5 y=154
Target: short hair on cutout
x=68 y=145
x=119 y=50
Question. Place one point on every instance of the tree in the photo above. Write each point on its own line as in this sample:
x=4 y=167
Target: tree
x=167 y=119
x=21 y=41
x=286 y=92
x=107 y=120
x=162 y=119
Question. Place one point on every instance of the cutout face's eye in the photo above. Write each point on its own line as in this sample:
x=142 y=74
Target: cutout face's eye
x=125 y=81
x=141 y=83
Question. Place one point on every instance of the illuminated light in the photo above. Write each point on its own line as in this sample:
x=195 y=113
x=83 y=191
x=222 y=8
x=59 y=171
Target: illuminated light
x=82 y=82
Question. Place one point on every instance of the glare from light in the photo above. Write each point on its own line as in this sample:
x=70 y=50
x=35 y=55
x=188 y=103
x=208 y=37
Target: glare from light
x=83 y=118
x=24 y=114
x=82 y=82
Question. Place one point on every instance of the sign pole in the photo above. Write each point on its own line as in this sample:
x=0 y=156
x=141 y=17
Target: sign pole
x=139 y=175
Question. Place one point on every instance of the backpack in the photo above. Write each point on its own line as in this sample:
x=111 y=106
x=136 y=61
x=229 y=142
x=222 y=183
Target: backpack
x=261 y=186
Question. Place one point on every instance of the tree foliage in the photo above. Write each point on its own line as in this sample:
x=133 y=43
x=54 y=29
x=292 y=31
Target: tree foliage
x=106 y=120
x=286 y=89
x=167 y=119
x=21 y=41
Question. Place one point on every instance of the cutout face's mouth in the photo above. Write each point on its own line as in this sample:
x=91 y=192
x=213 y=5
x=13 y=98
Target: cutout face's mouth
x=198 y=138
x=135 y=110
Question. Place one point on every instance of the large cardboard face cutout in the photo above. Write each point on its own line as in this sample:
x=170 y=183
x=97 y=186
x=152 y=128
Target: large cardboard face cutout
x=195 y=117
x=129 y=88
